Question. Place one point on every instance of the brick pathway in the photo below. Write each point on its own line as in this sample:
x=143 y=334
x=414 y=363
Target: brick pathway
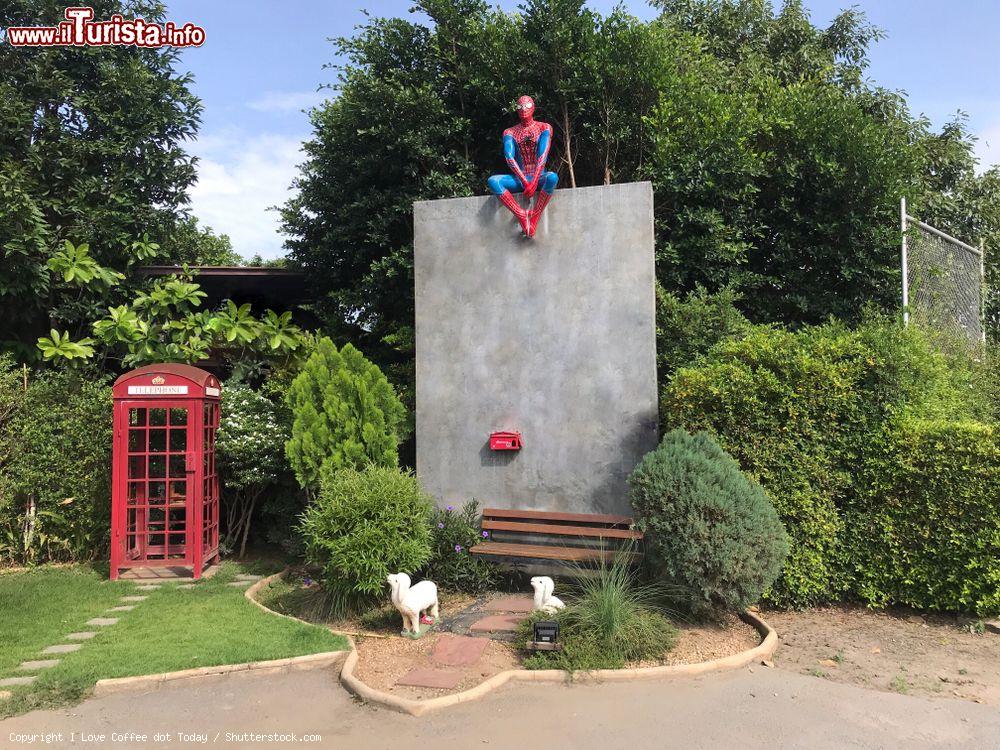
x=464 y=640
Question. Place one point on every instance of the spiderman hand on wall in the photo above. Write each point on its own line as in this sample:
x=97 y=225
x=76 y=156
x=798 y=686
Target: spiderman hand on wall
x=526 y=149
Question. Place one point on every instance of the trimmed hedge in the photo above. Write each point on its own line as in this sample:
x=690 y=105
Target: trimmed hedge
x=929 y=534
x=824 y=418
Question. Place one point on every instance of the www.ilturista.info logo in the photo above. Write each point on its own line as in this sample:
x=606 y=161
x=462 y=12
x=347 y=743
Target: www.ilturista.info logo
x=79 y=30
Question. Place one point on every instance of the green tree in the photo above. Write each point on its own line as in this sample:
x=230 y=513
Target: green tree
x=91 y=150
x=345 y=414
x=777 y=166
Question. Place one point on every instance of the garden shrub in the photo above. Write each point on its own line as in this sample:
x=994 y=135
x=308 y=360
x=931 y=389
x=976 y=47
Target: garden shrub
x=814 y=416
x=55 y=467
x=251 y=454
x=612 y=620
x=453 y=534
x=345 y=414
x=708 y=527
x=363 y=526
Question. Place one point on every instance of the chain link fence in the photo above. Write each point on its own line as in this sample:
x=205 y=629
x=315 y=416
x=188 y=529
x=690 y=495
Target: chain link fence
x=942 y=280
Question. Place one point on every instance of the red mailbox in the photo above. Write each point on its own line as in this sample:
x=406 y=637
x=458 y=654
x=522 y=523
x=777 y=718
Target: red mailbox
x=165 y=489
x=505 y=441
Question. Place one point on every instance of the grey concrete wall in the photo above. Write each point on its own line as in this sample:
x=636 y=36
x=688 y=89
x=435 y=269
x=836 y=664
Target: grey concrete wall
x=553 y=337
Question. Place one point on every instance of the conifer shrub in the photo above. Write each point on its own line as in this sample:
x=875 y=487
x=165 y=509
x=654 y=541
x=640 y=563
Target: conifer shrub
x=345 y=414
x=363 y=526
x=709 y=528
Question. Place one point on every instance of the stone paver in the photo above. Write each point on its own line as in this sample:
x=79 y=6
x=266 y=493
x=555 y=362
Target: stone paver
x=458 y=650
x=496 y=624
x=14 y=681
x=148 y=587
x=431 y=678
x=187 y=585
x=248 y=577
x=523 y=604
x=38 y=664
x=134 y=598
x=62 y=648
x=239 y=583
x=83 y=635
x=103 y=621
x=122 y=608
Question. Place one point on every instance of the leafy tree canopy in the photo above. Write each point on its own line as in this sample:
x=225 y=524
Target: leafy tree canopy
x=91 y=151
x=777 y=167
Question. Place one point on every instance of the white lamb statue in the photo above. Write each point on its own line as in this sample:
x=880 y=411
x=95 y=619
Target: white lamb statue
x=544 y=600
x=412 y=601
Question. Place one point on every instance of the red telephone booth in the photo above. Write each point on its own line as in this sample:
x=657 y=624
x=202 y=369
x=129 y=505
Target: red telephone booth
x=165 y=489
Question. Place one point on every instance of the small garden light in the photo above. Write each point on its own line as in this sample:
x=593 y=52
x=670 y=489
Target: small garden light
x=546 y=631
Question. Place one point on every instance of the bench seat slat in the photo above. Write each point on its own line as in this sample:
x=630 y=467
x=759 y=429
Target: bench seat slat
x=542 y=551
x=541 y=515
x=561 y=530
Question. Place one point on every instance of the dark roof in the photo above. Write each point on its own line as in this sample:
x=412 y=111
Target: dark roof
x=277 y=288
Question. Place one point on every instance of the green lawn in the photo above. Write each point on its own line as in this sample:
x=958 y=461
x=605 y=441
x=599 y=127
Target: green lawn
x=173 y=629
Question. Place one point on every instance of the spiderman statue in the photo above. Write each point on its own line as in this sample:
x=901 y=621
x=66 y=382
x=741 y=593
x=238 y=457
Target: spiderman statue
x=526 y=148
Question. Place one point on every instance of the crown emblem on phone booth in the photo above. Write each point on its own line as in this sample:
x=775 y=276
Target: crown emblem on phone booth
x=158 y=380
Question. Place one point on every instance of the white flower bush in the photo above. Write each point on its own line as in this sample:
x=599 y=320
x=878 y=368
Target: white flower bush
x=250 y=447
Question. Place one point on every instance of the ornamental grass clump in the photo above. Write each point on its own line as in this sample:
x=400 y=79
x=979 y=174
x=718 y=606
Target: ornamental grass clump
x=709 y=529
x=363 y=526
x=611 y=620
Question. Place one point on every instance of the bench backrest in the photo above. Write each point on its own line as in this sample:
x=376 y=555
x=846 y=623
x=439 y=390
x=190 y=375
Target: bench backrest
x=537 y=522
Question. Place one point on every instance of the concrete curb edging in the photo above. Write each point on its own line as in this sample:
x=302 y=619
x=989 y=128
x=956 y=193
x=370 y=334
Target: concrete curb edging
x=763 y=651
x=311 y=661
x=292 y=663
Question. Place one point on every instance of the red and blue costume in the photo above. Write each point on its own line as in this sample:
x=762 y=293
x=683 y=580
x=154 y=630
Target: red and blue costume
x=526 y=148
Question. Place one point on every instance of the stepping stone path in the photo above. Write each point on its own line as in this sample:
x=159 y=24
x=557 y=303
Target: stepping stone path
x=496 y=624
x=458 y=650
x=38 y=664
x=522 y=604
x=134 y=598
x=103 y=621
x=148 y=587
x=123 y=608
x=239 y=583
x=444 y=679
x=85 y=635
x=62 y=648
x=248 y=577
x=187 y=585
x=15 y=681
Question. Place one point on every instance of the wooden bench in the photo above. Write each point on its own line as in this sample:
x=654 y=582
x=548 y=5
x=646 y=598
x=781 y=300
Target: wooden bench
x=596 y=535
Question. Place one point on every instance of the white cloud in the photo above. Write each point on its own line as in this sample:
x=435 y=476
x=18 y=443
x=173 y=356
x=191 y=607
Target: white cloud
x=287 y=101
x=988 y=147
x=240 y=177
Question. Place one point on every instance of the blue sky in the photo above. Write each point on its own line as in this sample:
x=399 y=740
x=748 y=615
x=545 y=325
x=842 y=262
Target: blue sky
x=263 y=61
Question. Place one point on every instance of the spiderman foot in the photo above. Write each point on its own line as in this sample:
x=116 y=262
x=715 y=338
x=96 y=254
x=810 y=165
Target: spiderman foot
x=527 y=226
